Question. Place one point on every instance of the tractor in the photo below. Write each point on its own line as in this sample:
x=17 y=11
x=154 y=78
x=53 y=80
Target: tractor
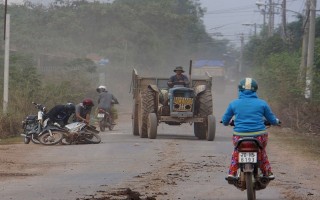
x=155 y=103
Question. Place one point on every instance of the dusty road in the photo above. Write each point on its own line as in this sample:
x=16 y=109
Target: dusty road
x=174 y=166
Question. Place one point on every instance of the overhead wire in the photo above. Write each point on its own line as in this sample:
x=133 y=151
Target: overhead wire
x=230 y=10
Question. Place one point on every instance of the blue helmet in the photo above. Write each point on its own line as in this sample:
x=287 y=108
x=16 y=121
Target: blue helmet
x=248 y=84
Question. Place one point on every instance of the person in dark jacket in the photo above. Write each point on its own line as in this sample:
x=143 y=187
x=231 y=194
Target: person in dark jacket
x=61 y=113
x=249 y=114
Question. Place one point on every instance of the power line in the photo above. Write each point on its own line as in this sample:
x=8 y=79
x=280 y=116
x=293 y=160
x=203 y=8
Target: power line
x=231 y=10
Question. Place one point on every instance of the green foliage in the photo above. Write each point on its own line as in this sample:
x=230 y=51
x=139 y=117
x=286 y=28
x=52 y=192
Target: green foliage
x=257 y=50
x=145 y=32
x=27 y=85
x=278 y=78
x=276 y=65
x=83 y=64
x=316 y=73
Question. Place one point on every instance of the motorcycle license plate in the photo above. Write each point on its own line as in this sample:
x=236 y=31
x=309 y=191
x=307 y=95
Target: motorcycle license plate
x=248 y=157
x=100 y=115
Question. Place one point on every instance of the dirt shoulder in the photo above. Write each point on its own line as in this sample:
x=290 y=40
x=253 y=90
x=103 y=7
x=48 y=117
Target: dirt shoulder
x=14 y=162
x=295 y=162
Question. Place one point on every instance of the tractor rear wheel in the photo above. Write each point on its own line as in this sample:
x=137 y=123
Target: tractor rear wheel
x=203 y=109
x=147 y=106
x=211 y=128
x=204 y=103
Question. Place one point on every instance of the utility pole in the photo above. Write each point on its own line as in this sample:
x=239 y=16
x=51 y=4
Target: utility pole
x=284 y=19
x=271 y=18
x=310 y=58
x=264 y=15
x=305 y=39
x=6 y=66
x=241 y=52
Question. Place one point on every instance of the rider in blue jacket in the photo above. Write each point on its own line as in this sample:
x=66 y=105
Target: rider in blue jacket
x=249 y=114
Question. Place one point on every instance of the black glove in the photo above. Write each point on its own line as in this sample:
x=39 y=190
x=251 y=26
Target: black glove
x=231 y=123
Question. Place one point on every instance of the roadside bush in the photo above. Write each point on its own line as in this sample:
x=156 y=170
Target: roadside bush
x=278 y=78
x=27 y=85
x=279 y=85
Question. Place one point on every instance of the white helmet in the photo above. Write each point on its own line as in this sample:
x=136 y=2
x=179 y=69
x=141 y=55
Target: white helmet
x=102 y=88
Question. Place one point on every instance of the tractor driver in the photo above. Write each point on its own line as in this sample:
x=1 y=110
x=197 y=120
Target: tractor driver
x=178 y=78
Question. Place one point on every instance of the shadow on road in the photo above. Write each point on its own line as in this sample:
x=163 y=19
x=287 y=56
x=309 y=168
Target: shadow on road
x=176 y=137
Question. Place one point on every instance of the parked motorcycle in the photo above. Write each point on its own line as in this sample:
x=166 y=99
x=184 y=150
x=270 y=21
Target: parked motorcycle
x=32 y=125
x=248 y=175
x=79 y=133
x=105 y=120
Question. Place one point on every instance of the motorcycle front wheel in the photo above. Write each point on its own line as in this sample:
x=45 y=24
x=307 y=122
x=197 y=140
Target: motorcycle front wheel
x=251 y=191
x=26 y=140
x=51 y=139
x=92 y=138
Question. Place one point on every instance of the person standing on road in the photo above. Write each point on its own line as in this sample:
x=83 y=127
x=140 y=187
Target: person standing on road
x=83 y=110
x=249 y=112
x=106 y=101
x=179 y=78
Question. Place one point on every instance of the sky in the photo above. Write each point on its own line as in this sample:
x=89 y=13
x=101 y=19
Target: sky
x=229 y=16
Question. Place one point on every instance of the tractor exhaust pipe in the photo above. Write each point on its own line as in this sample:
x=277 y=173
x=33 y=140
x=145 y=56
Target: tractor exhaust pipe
x=190 y=71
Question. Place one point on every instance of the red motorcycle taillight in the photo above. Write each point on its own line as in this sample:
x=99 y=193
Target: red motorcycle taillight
x=101 y=111
x=248 y=146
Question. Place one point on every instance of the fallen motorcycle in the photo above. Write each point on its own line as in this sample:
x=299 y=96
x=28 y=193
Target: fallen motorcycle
x=105 y=120
x=50 y=134
x=79 y=133
x=32 y=125
x=248 y=176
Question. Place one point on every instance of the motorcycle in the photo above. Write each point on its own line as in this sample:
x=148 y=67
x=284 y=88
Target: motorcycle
x=105 y=120
x=79 y=133
x=32 y=125
x=248 y=176
x=50 y=134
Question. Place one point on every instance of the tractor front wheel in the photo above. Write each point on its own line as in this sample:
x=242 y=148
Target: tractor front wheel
x=152 y=126
x=135 y=120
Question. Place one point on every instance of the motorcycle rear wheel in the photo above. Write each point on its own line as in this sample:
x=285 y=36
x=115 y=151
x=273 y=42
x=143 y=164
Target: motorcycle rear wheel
x=111 y=127
x=47 y=139
x=92 y=138
x=102 y=125
x=251 y=192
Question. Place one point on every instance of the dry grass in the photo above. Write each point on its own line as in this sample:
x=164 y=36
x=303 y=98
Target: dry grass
x=302 y=143
x=11 y=140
